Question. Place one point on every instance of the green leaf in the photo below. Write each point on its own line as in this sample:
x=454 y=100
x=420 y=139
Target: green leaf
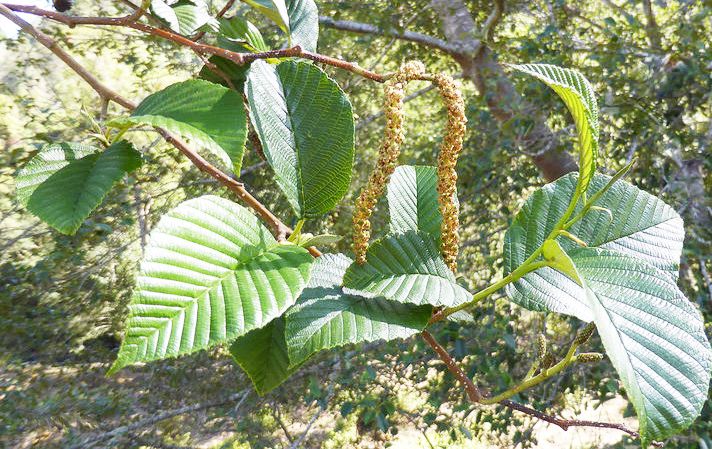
x=210 y=115
x=262 y=354
x=328 y=316
x=275 y=10
x=65 y=182
x=238 y=34
x=303 y=23
x=236 y=74
x=559 y=260
x=413 y=200
x=654 y=337
x=578 y=95
x=192 y=16
x=211 y=273
x=163 y=11
x=306 y=126
x=643 y=227
x=407 y=268
x=184 y=16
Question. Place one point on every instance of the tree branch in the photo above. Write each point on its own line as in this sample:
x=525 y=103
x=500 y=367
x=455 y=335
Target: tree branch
x=492 y=21
x=475 y=396
x=473 y=393
x=410 y=36
x=236 y=57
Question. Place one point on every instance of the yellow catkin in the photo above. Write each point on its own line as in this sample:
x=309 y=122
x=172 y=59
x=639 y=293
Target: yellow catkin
x=447 y=159
x=387 y=155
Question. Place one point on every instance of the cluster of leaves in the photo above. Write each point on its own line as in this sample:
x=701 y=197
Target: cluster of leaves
x=587 y=245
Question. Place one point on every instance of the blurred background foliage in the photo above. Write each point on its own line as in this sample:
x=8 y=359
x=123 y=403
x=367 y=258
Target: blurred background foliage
x=63 y=298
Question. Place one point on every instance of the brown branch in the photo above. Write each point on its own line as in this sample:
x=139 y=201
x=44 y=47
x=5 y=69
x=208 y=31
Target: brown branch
x=492 y=21
x=475 y=396
x=236 y=57
x=104 y=91
x=473 y=393
x=565 y=424
x=280 y=230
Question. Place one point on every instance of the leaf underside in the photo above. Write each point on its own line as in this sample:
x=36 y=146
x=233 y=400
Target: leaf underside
x=654 y=337
x=628 y=274
x=643 y=227
x=65 y=182
x=303 y=23
x=579 y=97
x=211 y=273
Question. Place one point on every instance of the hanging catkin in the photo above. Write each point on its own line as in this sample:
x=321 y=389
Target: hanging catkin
x=447 y=159
x=390 y=150
x=387 y=155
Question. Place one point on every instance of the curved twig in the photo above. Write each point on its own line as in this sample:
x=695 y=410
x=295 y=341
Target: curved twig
x=474 y=395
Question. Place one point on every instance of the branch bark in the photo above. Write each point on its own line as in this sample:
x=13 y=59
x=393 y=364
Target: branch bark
x=475 y=396
x=236 y=57
x=479 y=64
x=410 y=36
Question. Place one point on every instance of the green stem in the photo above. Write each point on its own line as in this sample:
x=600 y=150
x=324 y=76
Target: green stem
x=591 y=201
x=541 y=377
x=523 y=269
x=297 y=231
x=527 y=266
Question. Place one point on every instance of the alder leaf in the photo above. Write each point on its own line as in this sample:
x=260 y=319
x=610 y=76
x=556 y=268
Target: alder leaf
x=207 y=114
x=303 y=24
x=413 y=200
x=65 y=182
x=407 y=268
x=262 y=354
x=306 y=127
x=211 y=272
x=643 y=227
x=328 y=315
x=275 y=10
x=579 y=97
x=654 y=337
x=239 y=34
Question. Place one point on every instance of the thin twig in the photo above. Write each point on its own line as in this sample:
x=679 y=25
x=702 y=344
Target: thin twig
x=236 y=57
x=91 y=441
x=492 y=21
x=474 y=395
x=410 y=36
